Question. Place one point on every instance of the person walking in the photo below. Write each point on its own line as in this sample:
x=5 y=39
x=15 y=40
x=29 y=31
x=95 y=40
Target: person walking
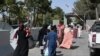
x=79 y=31
x=43 y=31
x=68 y=38
x=75 y=29
x=22 y=43
x=60 y=32
x=52 y=44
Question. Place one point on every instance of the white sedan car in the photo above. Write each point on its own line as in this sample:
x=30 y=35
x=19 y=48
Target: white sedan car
x=94 y=38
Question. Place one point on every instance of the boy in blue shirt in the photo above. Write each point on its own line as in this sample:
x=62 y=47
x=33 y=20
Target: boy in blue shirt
x=52 y=44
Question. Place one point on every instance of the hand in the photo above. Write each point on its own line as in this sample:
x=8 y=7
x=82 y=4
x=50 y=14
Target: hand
x=14 y=38
x=27 y=35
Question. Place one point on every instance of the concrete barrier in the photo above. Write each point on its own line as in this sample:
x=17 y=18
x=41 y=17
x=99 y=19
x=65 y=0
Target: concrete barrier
x=5 y=47
x=35 y=32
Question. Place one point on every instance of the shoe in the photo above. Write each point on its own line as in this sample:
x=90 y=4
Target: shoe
x=42 y=52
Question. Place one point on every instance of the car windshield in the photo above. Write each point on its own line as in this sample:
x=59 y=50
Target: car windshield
x=96 y=28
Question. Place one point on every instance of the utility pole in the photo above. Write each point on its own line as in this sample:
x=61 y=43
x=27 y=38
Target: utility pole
x=97 y=16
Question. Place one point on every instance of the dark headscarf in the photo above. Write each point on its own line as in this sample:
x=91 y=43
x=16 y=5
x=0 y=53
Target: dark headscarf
x=21 y=26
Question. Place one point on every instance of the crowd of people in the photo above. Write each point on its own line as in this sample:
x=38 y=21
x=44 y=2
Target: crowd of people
x=62 y=36
x=49 y=38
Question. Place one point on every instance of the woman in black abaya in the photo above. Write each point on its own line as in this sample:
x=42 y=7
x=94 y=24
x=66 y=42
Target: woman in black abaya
x=22 y=43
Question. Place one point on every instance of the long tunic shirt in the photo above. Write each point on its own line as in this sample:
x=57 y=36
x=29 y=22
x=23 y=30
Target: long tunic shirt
x=52 y=37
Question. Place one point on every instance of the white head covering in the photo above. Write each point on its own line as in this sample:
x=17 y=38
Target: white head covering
x=72 y=24
x=49 y=27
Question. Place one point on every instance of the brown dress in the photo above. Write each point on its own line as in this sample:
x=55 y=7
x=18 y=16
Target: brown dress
x=60 y=33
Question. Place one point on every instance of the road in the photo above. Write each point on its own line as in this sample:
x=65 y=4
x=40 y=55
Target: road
x=80 y=48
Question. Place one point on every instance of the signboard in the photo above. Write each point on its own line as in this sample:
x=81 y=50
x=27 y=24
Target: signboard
x=55 y=22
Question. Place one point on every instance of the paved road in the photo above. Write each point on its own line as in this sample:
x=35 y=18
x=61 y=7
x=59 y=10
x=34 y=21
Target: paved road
x=80 y=48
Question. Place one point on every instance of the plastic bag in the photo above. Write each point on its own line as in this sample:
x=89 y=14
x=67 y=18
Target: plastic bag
x=46 y=52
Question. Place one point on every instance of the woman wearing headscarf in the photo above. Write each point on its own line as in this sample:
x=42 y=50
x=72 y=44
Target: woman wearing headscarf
x=22 y=43
x=79 y=31
x=68 y=37
x=60 y=31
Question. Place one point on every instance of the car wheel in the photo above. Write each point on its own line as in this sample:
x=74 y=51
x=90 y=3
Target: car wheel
x=92 y=52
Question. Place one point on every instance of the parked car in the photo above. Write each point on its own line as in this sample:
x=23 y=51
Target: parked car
x=94 y=37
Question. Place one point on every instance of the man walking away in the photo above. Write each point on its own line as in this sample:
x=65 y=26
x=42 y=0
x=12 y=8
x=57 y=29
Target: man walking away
x=41 y=35
x=52 y=44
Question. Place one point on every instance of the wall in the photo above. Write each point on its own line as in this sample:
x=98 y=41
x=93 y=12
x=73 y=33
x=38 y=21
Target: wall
x=5 y=47
x=35 y=32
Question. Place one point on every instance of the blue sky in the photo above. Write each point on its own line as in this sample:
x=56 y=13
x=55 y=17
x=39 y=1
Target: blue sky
x=62 y=4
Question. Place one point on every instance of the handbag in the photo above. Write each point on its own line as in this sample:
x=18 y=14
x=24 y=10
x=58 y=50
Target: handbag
x=31 y=42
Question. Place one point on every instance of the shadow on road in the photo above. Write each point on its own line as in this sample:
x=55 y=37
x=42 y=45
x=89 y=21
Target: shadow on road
x=97 y=53
x=74 y=47
x=80 y=37
x=58 y=53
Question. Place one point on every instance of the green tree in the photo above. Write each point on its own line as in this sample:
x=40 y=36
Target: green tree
x=58 y=13
x=39 y=6
x=84 y=7
x=9 y=2
x=2 y=3
x=95 y=1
